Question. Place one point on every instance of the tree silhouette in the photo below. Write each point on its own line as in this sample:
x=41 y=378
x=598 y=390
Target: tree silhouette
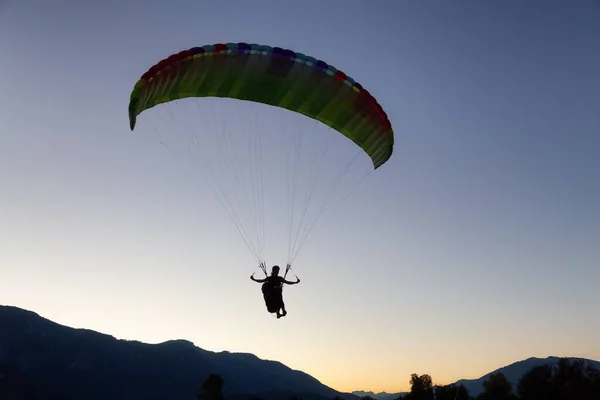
x=462 y=393
x=212 y=388
x=569 y=379
x=594 y=379
x=536 y=384
x=572 y=379
x=496 y=387
x=451 y=392
x=421 y=388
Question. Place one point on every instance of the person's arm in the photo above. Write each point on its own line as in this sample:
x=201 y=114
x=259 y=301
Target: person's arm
x=288 y=266
x=257 y=280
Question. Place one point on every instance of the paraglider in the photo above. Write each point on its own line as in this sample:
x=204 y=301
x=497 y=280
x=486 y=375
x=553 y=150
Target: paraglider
x=272 y=289
x=277 y=77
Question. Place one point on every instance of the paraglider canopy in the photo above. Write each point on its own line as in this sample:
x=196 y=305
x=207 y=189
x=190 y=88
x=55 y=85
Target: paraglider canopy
x=284 y=79
x=274 y=76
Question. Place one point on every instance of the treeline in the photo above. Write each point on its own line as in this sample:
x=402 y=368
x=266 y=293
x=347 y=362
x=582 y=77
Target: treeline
x=567 y=380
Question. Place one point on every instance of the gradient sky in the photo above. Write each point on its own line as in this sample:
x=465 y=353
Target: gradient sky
x=476 y=245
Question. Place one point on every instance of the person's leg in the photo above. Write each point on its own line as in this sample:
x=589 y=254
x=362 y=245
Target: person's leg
x=280 y=305
x=283 y=312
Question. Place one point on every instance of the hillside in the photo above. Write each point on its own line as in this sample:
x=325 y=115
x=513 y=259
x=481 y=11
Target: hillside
x=513 y=373
x=81 y=363
x=42 y=359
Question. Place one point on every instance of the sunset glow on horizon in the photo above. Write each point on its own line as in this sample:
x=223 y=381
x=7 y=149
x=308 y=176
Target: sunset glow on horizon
x=473 y=247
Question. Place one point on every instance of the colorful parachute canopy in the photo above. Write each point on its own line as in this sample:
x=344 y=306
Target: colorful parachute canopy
x=273 y=76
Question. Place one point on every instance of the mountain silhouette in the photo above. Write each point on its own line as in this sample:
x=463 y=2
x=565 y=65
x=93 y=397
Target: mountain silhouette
x=46 y=357
x=515 y=371
x=40 y=359
x=512 y=372
x=378 y=396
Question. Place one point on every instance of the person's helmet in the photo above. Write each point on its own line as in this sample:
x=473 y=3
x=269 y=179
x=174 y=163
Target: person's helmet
x=275 y=268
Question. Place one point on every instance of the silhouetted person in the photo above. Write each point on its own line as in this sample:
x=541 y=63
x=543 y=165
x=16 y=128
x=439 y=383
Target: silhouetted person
x=272 y=289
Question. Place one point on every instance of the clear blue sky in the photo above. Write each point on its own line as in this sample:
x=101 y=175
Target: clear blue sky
x=476 y=245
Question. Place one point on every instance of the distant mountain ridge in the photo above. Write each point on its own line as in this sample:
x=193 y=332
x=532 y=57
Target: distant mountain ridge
x=84 y=364
x=52 y=361
x=513 y=373
x=378 y=396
